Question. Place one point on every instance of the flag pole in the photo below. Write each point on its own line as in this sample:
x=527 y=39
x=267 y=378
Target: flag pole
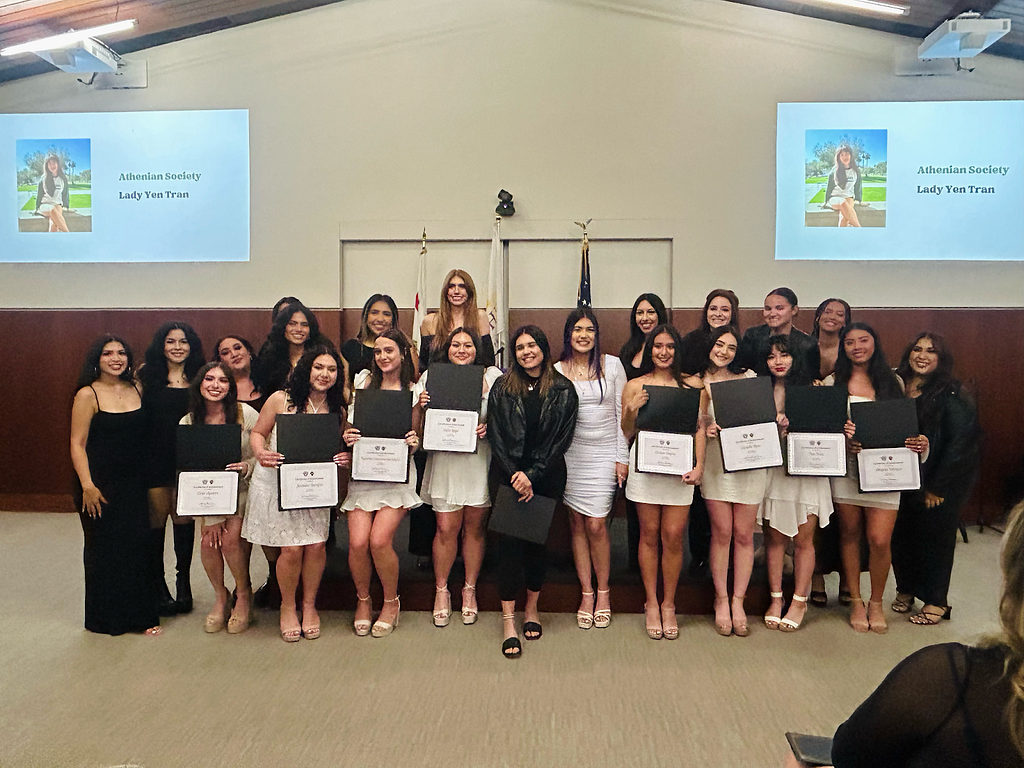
x=583 y=298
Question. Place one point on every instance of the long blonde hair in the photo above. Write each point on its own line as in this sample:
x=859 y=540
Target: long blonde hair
x=445 y=321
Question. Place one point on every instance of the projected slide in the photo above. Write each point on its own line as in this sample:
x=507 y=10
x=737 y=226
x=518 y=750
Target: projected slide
x=900 y=181
x=124 y=186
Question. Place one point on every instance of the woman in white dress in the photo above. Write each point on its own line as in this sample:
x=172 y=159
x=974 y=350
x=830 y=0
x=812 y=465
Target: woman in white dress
x=455 y=485
x=374 y=510
x=862 y=371
x=316 y=385
x=662 y=501
x=732 y=498
x=213 y=399
x=793 y=507
x=597 y=460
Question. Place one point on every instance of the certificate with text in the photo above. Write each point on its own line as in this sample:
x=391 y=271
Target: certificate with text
x=664 y=453
x=207 y=493
x=816 y=454
x=308 y=486
x=380 y=460
x=753 y=446
x=888 y=469
x=454 y=431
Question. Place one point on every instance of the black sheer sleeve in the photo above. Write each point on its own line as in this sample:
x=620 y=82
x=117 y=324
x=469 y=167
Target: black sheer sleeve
x=898 y=720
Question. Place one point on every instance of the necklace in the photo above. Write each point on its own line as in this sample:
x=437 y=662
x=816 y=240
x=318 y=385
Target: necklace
x=316 y=408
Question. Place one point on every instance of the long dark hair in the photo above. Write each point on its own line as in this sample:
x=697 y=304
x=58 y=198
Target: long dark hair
x=734 y=366
x=734 y=302
x=883 y=380
x=595 y=361
x=299 y=386
x=48 y=183
x=91 y=365
x=197 y=403
x=407 y=373
x=937 y=383
x=821 y=310
x=440 y=354
x=365 y=334
x=517 y=381
x=798 y=374
x=215 y=357
x=283 y=302
x=275 y=358
x=153 y=373
x=647 y=362
x=635 y=342
x=840 y=172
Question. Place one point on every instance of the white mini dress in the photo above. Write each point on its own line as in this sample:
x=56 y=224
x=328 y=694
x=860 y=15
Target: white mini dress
x=371 y=496
x=452 y=481
x=744 y=487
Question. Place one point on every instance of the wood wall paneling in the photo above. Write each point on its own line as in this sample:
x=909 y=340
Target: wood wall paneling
x=38 y=384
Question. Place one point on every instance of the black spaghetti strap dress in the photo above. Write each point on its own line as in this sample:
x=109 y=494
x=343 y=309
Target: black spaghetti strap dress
x=119 y=593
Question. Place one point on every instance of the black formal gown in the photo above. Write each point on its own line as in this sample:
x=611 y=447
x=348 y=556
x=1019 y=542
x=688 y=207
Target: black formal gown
x=119 y=593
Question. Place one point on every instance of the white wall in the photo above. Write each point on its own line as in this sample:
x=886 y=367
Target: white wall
x=639 y=114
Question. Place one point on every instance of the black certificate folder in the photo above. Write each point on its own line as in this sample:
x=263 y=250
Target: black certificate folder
x=526 y=520
x=456 y=387
x=304 y=438
x=669 y=409
x=741 y=402
x=884 y=423
x=383 y=412
x=208 y=447
x=815 y=409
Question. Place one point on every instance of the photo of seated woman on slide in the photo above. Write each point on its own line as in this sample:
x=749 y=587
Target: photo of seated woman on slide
x=844 y=187
x=53 y=196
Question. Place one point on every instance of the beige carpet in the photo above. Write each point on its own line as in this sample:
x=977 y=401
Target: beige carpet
x=424 y=696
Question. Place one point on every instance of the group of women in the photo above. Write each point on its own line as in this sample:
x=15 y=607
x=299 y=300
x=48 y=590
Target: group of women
x=559 y=428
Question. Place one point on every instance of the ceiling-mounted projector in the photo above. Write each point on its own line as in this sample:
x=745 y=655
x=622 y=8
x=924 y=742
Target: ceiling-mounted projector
x=960 y=38
x=84 y=56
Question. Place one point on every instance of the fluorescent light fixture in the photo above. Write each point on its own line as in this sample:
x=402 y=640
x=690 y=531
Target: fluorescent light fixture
x=67 y=39
x=870 y=5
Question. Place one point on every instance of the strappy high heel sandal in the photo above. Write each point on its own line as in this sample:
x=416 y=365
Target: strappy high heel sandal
x=384 y=628
x=740 y=629
x=653 y=632
x=723 y=626
x=362 y=626
x=669 y=631
x=469 y=615
x=511 y=648
x=603 y=616
x=903 y=603
x=444 y=615
x=770 y=621
x=787 y=624
x=930 y=618
x=878 y=624
x=585 y=619
x=859 y=616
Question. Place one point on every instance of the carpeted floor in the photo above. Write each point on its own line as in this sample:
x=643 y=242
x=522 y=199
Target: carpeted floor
x=424 y=696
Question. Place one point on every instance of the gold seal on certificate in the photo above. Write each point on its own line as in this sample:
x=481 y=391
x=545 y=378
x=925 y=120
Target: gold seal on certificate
x=888 y=469
x=664 y=453
x=816 y=454
x=380 y=460
x=446 y=430
x=207 y=493
x=306 y=486
x=750 y=447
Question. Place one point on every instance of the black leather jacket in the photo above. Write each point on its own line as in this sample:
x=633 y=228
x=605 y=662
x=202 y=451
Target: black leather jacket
x=506 y=428
x=953 y=437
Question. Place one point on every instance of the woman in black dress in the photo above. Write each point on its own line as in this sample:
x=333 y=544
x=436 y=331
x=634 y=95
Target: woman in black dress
x=379 y=314
x=107 y=448
x=173 y=357
x=294 y=332
x=456 y=309
x=531 y=417
x=925 y=534
x=721 y=307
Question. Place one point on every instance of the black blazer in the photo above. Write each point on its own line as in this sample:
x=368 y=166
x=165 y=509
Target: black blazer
x=858 y=191
x=506 y=428
x=65 y=197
